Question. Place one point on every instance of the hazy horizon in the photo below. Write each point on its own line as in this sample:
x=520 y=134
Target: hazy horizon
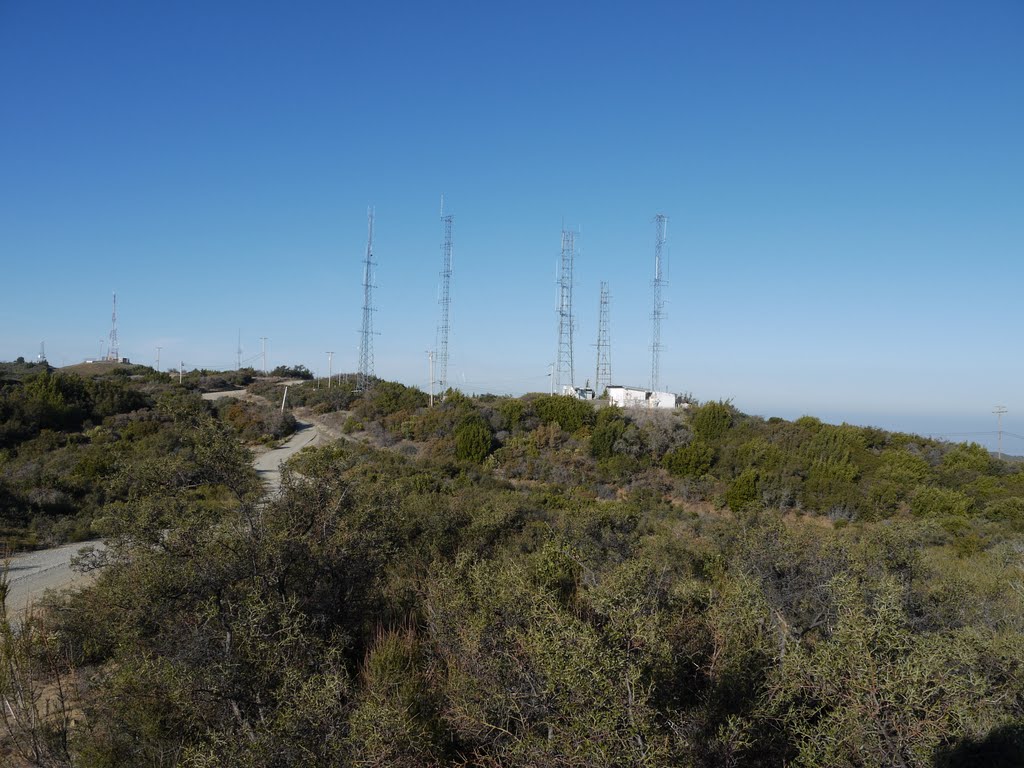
x=843 y=186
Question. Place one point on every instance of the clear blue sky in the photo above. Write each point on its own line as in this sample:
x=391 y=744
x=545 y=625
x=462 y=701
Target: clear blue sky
x=845 y=187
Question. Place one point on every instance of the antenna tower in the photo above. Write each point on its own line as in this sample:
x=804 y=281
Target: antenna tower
x=660 y=229
x=113 y=353
x=603 y=374
x=366 y=337
x=445 y=301
x=564 y=374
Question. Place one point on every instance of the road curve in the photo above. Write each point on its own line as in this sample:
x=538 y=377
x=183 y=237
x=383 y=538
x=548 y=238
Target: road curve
x=30 y=574
x=268 y=465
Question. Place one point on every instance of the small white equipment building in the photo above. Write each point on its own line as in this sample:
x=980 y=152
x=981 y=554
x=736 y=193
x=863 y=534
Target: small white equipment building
x=580 y=393
x=636 y=397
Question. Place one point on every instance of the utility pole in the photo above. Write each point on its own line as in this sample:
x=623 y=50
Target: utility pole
x=181 y=371
x=999 y=410
x=158 y=359
x=551 y=376
x=430 y=358
x=330 y=368
x=263 y=352
x=238 y=351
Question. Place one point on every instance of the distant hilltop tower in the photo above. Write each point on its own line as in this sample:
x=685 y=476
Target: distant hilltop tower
x=603 y=372
x=113 y=351
x=660 y=231
x=564 y=373
x=445 y=300
x=365 y=373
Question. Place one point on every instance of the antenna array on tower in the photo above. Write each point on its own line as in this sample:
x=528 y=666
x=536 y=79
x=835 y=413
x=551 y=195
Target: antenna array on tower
x=445 y=301
x=603 y=374
x=366 y=334
x=660 y=229
x=564 y=374
x=113 y=352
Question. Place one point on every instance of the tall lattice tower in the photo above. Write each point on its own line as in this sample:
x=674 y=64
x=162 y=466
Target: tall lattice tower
x=603 y=373
x=366 y=337
x=113 y=352
x=660 y=232
x=564 y=374
x=445 y=300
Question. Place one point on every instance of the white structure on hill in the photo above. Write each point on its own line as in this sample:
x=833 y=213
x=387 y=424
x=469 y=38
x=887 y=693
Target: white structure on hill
x=580 y=393
x=636 y=397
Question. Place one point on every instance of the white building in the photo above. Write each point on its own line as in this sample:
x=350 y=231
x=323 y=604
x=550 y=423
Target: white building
x=580 y=393
x=635 y=397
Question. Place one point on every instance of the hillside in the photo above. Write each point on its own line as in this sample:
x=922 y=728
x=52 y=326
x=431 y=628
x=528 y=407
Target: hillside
x=533 y=581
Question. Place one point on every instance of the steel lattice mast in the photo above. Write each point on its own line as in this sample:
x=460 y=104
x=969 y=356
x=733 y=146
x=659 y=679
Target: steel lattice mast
x=660 y=229
x=603 y=373
x=113 y=352
x=445 y=301
x=564 y=374
x=366 y=337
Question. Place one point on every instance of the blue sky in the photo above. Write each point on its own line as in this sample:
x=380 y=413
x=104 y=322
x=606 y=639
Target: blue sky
x=845 y=187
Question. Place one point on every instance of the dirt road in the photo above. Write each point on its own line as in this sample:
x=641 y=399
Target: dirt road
x=268 y=465
x=30 y=574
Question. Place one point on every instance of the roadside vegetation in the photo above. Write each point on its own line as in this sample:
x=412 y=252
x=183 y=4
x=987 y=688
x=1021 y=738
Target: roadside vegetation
x=524 y=582
x=70 y=446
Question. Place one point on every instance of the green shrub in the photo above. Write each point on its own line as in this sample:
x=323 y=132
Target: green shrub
x=939 y=502
x=609 y=428
x=511 y=410
x=712 y=420
x=567 y=412
x=473 y=440
x=692 y=460
x=743 y=491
